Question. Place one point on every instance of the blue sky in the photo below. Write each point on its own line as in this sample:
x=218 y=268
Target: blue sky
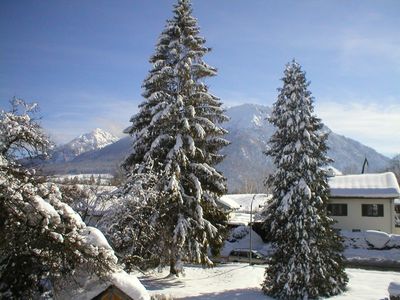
x=84 y=61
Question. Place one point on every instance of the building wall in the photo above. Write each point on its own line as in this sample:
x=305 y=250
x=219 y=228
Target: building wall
x=355 y=220
x=396 y=229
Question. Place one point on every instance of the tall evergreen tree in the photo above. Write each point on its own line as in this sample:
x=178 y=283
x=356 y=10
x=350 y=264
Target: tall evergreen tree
x=307 y=262
x=177 y=134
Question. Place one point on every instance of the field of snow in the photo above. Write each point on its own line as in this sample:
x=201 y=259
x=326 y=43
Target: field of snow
x=241 y=281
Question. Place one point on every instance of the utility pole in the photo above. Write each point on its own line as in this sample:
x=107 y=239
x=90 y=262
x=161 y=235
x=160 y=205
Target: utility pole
x=251 y=226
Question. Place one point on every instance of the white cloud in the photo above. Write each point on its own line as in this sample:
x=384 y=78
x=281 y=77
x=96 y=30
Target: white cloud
x=108 y=112
x=361 y=50
x=373 y=124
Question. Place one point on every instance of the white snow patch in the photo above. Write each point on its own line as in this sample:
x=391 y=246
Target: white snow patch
x=357 y=250
x=130 y=285
x=228 y=202
x=377 y=239
x=257 y=120
x=46 y=210
x=95 y=237
x=238 y=218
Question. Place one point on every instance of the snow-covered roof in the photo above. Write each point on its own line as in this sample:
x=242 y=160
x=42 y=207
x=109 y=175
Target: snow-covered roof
x=382 y=185
x=239 y=219
x=88 y=286
x=242 y=202
x=228 y=202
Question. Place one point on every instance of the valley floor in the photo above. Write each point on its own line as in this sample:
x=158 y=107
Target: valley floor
x=241 y=281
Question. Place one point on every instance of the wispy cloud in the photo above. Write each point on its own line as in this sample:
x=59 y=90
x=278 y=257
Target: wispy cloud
x=376 y=125
x=361 y=50
x=108 y=112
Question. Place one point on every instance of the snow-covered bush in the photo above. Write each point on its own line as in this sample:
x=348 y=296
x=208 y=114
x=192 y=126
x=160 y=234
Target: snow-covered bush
x=240 y=232
x=370 y=239
x=89 y=200
x=394 y=241
x=132 y=223
x=41 y=237
x=355 y=240
x=377 y=239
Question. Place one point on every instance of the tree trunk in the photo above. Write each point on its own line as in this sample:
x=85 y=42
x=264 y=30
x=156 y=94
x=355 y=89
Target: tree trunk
x=172 y=268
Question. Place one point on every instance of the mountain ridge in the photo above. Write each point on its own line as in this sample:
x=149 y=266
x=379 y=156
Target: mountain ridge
x=245 y=165
x=91 y=141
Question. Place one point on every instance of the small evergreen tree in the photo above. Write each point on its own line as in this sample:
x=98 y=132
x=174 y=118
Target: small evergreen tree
x=177 y=134
x=307 y=262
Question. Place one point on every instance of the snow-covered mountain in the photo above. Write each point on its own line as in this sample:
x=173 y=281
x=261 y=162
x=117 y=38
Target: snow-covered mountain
x=94 y=140
x=245 y=165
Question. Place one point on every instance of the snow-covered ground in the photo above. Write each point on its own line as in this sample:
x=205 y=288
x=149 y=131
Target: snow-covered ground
x=241 y=281
x=357 y=250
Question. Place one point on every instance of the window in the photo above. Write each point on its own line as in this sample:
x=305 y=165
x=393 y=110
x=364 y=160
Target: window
x=372 y=210
x=337 y=209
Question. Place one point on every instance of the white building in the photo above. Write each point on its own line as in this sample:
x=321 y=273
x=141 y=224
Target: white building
x=242 y=208
x=364 y=201
x=356 y=202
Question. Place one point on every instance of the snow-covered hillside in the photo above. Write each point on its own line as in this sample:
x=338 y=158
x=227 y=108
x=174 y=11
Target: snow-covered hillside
x=245 y=165
x=94 y=140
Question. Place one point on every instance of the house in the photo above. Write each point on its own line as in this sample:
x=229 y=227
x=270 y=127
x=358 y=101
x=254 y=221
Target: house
x=114 y=293
x=364 y=201
x=242 y=208
x=356 y=202
x=85 y=286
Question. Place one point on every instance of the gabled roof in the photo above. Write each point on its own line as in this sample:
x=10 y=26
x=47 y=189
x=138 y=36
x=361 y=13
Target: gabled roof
x=228 y=203
x=242 y=202
x=382 y=185
x=87 y=286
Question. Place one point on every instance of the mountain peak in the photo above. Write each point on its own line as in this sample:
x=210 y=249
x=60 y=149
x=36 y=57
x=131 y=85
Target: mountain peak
x=248 y=116
x=94 y=140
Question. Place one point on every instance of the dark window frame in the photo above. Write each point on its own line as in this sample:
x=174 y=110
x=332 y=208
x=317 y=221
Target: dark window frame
x=372 y=210
x=337 y=209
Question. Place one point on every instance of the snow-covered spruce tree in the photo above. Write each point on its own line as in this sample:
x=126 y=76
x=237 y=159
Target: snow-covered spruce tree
x=307 y=262
x=177 y=134
x=41 y=238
